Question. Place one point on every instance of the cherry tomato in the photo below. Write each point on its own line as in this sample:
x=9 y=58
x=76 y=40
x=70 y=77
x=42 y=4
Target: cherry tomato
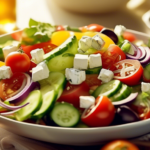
x=72 y=93
x=132 y=77
x=17 y=35
x=120 y=145
x=60 y=28
x=112 y=55
x=18 y=62
x=100 y=114
x=10 y=87
x=129 y=36
x=47 y=47
x=92 y=27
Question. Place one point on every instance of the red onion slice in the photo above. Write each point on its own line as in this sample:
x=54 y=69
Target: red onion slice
x=143 y=52
x=9 y=107
x=30 y=86
x=8 y=113
x=137 y=51
x=146 y=59
x=130 y=98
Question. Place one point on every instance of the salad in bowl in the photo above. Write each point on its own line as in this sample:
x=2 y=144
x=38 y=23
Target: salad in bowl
x=85 y=79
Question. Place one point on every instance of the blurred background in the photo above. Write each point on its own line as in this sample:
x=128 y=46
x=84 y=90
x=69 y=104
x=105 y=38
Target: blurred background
x=133 y=14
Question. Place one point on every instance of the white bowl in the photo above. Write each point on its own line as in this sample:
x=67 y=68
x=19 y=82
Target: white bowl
x=91 y=6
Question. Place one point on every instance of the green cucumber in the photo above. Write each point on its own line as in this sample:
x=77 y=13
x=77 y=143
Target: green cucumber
x=56 y=59
x=123 y=93
x=146 y=72
x=35 y=101
x=65 y=115
x=108 y=89
x=93 y=70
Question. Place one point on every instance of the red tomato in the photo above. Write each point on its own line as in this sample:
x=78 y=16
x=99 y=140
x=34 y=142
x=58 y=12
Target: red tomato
x=47 y=47
x=72 y=93
x=92 y=27
x=120 y=145
x=9 y=87
x=129 y=36
x=18 y=62
x=100 y=114
x=60 y=28
x=112 y=55
x=130 y=78
x=92 y=80
x=17 y=35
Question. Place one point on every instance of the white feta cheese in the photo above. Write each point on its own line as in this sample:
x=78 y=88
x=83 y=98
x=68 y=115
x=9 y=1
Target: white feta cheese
x=81 y=61
x=9 y=49
x=84 y=44
x=97 y=42
x=119 y=30
x=95 y=60
x=86 y=101
x=40 y=72
x=5 y=72
x=145 y=87
x=37 y=55
x=75 y=76
x=105 y=75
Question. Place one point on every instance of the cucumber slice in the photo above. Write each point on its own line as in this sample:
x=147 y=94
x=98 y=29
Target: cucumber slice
x=65 y=115
x=123 y=93
x=108 y=89
x=35 y=101
x=47 y=103
x=146 y=73
x=93 y=70
x=56 y=59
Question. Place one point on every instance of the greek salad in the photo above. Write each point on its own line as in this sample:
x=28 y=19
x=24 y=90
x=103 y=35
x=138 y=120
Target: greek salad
x=89 y=76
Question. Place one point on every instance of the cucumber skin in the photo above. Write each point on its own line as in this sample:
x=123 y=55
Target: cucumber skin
x=93 y=70
x=61 y=49
x=96 y=93
x=146 y=72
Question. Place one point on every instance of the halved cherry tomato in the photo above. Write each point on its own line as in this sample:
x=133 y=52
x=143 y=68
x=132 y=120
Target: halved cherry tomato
x=9 y=87
x=91 y=27
x=47 y=47
x=60 y=28
x=18 y=62
x=17 y=35
x=120 y=145
x=72 y=93
x=128 y=77
x=129 y=36
x=100 y=114
x=112 y=55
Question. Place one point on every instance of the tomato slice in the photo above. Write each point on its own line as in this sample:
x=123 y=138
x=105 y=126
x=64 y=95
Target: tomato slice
x=120 y=145
x=129 y=36
x=112 y=55
x=91 y=27
x=72 y=93
x=17 y=35
x=47 y=47
x=12 y=86
x=100 y=114
x=124 y=74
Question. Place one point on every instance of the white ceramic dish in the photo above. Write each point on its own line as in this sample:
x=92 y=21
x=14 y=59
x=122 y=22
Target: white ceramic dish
x=77 y=136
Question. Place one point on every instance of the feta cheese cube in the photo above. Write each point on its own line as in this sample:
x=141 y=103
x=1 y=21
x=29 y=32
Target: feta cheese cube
x=84 y=44
x=9 y=49
x=97 y=42
x=86 y=101
x=81 y=61
x=40 y=72
x=75 y=76
x=105 y=75
x=37 y=55
x=5 y=72
x=145 y=87
x=95 y=60
x=119 y=30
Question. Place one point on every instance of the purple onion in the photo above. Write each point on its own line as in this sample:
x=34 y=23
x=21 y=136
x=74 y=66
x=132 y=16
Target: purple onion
x=130 y=98
x=8 y=113
x=9 y=107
